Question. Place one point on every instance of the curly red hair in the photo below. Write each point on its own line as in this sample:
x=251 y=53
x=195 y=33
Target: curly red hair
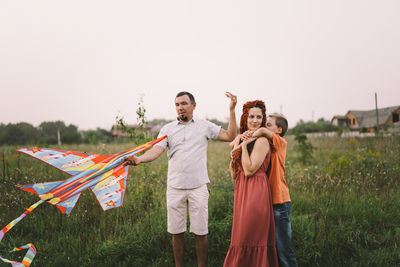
x=245 y=114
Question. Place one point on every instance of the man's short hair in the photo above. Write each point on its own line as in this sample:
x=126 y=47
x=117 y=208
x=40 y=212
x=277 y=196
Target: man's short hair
x=191 y=97
x=280 y=121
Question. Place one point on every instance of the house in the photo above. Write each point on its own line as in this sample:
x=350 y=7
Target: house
x=366 y=120
x=341 y=121
x=118 y=133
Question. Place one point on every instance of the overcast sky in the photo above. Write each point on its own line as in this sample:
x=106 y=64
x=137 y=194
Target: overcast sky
x=85 y=62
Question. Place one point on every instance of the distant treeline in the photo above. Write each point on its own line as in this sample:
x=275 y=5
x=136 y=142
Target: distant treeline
x=319 y=126
x=49 y=133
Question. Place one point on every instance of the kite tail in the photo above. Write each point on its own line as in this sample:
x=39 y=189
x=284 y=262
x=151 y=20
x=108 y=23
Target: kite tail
x=31 y=248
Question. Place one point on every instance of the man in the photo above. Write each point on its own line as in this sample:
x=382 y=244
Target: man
x=187 y=172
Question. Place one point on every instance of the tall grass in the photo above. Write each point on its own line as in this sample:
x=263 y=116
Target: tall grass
x=345 y=209
x=346 y=204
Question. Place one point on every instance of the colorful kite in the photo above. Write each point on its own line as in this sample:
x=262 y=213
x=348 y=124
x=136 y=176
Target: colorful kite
x=105 y=175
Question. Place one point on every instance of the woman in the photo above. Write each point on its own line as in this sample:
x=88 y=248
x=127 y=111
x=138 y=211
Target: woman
x=253 y=227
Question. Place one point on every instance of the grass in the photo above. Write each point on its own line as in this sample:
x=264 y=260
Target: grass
x=345 y=209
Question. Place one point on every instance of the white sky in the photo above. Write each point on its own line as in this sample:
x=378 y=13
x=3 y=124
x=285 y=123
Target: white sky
x=85 y=62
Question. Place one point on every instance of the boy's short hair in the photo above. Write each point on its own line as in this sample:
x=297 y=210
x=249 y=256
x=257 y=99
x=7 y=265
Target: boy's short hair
x=280 y=121
x=191 y=97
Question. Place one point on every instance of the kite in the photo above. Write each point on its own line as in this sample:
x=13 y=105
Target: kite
x=105 y=175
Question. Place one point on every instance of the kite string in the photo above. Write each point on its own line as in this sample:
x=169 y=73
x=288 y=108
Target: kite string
x=30 y=254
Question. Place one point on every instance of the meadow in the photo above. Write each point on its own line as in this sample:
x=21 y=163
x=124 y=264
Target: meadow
x=345 y=209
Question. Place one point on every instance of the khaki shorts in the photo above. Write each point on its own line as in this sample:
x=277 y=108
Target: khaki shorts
x=178 y=202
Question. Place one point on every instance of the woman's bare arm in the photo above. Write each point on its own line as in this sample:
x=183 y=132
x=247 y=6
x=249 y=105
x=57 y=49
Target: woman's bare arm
x=251 y=163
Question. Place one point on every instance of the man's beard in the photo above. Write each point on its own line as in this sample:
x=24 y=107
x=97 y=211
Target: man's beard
x=182 y=118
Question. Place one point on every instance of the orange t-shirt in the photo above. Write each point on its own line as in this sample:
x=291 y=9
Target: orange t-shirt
x=279 y=188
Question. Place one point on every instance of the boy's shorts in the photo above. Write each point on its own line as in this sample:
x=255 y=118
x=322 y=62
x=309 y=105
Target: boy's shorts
x=178 y=201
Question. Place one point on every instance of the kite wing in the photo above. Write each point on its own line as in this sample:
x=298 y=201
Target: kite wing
x=110 y=191
x=70 y=162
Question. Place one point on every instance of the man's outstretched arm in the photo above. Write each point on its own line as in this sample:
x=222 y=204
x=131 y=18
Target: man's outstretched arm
x=230 y=133
x=150 y=155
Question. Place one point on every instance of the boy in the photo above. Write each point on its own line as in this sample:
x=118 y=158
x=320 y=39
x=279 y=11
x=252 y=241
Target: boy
x=276 y=127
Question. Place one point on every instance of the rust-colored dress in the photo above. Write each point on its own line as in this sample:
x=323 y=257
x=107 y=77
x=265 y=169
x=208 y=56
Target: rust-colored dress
x=253 y=228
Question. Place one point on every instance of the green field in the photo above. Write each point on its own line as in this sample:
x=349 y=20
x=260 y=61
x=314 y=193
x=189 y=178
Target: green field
x=345 y=209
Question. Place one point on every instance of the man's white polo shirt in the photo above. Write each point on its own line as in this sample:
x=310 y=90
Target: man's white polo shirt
x=187 y=152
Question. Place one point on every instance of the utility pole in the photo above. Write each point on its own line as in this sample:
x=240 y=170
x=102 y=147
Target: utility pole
x=58 y=136
x=377 y=114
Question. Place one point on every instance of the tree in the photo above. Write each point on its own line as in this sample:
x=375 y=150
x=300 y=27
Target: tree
x=18 y=134
x=321 y=125
x=49 y=129
x=305 y=148
x=70 y=135
x=49 y=133
x=96 y=136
